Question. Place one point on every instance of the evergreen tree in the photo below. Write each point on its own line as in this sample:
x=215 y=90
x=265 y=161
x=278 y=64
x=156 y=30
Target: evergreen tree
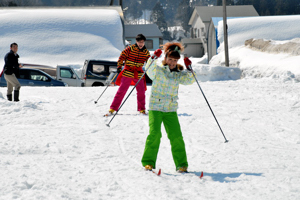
x=280 y=8
x=228 y=2
x=263 y=8
x=184 y=12
x=133 y=10
x=158 y=18
x=170 y=9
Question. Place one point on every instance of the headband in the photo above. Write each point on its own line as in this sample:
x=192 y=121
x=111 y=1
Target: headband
x=178 y=50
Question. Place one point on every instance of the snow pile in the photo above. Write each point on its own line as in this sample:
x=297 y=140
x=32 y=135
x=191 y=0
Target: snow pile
x=270 y=27
x=61 y=36
x=279 y=29
x=205 y=72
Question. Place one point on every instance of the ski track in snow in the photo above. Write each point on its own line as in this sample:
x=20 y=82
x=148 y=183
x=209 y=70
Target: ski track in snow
x=55 y=144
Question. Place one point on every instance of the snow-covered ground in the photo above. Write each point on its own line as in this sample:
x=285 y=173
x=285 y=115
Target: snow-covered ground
x=54 y=143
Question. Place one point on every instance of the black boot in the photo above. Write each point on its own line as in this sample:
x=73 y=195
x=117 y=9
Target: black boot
x=16 y=95
x=9 y=97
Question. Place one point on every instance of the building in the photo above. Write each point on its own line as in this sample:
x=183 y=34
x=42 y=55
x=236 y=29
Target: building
x=154 y=37
x=200 y=22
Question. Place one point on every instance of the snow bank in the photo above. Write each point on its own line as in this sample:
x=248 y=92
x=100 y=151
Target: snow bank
x=279 y=29
x=269 y=28
x=205 y=72
x=61 y=36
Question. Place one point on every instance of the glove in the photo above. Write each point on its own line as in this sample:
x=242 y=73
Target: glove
x=188 y=63
x=157 y=53
x=119 y=69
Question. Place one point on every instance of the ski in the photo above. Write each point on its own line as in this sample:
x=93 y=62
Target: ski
x=132 y=114
x=108 y=114
x=158 y=173
x=201 y=175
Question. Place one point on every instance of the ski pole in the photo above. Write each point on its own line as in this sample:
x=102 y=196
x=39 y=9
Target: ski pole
x=130 y=92
x=107 y=86
x=190 y=66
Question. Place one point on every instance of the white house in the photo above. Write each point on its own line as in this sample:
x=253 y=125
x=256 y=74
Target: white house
x=200 y=21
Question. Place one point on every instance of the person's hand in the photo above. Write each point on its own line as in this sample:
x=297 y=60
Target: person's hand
x=119 y=69
x=188 y=63
x=20 y=66
x=157 y=53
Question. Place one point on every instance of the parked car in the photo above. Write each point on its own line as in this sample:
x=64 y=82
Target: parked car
x=61 y=73
x=34 y=77
x=95 y=72
x=101 y=72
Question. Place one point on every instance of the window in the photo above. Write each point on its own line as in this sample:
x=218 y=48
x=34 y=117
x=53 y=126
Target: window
x=112 y=68
x=98 y=69
x=202 y=31
x=24 y=74
x=161 y=41
x=37 y=76
x=66 y=73
x=149 y=44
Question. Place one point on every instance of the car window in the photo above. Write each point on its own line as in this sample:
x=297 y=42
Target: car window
x=66 y=73
x=37 y=76
x=112 y=68
x=98 y=69
x=23 y=74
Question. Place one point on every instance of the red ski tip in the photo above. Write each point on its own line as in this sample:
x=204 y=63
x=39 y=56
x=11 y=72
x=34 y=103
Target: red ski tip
x=201 y=175
x=159 y=172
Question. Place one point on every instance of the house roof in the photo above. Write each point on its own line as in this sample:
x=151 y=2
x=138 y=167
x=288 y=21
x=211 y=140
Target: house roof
x=207 y=12
x=117 y=8
x=149 y=30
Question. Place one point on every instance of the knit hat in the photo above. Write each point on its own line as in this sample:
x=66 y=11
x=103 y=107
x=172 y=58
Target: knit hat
x=173 y=49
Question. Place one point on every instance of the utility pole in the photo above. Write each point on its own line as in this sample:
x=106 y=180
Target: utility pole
x=120 y=3
x=225 y=34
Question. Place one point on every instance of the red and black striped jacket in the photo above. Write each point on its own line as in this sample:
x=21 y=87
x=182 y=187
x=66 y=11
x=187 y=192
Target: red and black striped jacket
x=133 y=59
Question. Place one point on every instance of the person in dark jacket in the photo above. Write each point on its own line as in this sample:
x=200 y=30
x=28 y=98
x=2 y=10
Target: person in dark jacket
x=11 y=72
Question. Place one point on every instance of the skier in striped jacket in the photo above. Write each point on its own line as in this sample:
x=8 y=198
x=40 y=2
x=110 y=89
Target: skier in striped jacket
x=133 y=58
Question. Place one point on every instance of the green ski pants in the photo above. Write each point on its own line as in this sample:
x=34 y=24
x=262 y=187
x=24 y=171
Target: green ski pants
x=172 y=126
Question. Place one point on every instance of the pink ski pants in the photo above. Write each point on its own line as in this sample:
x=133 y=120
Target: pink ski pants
x=125 y=83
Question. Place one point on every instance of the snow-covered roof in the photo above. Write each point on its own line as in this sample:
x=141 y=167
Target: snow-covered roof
x=207 y=12
x=52 y=36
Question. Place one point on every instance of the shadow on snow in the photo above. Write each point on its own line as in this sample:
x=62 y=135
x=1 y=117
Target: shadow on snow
x=220 y=177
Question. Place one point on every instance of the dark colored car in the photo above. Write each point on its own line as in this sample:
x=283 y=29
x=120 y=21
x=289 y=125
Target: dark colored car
x=101 y=72
x=95 y=72
x=34 y=77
